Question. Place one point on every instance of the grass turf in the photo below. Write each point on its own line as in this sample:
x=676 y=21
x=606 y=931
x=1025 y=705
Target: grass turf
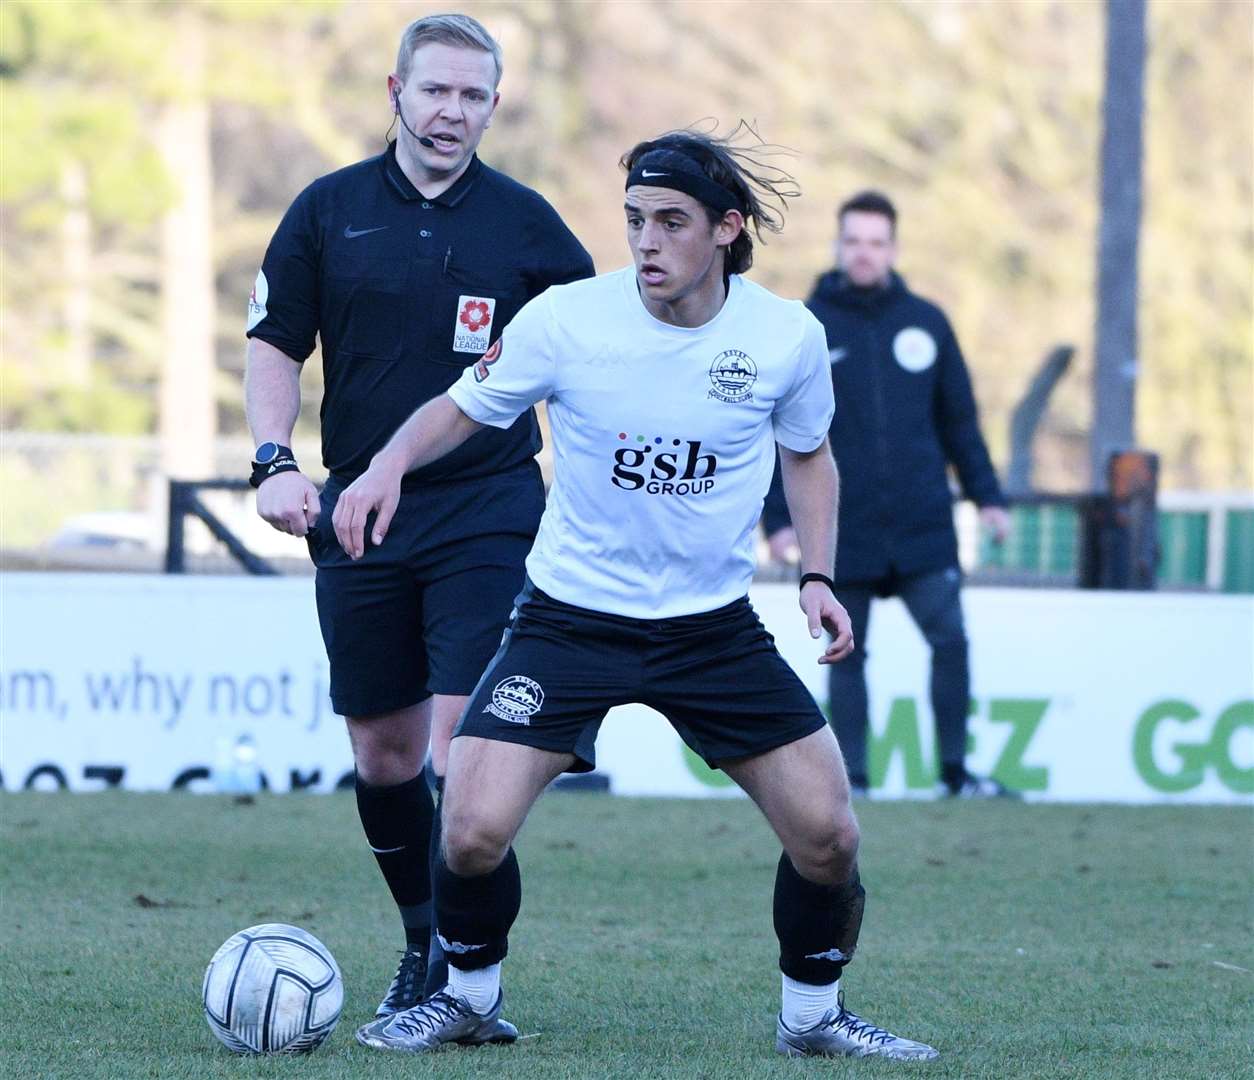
x=1022 y=941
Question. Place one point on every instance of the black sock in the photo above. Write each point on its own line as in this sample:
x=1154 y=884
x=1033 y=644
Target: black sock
x=397 y=822
x=474 y=914
x=953 y=774
x=817 y=925
x=437 y=964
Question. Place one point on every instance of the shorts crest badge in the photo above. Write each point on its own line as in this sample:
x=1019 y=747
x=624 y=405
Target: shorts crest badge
x=516 y=699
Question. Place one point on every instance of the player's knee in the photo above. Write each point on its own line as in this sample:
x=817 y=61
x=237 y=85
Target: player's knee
x=830 y=851
x=386 y=764
x=473 y=844
x=384 y=757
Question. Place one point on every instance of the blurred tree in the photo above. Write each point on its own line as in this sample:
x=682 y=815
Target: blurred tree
x=981 y=120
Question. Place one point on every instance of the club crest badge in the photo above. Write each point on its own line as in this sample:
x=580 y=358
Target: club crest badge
x=473 y=327
x=516 y=699
x=732 y=376
x=914 y=349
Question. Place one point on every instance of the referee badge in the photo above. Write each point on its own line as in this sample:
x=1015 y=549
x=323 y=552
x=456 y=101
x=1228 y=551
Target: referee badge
x=474 y=324
x=914 y=349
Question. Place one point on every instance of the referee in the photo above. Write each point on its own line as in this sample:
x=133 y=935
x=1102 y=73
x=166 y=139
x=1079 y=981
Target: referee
x=407 y=266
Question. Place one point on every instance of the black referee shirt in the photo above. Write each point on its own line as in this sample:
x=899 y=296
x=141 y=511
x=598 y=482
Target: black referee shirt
x=405 y=292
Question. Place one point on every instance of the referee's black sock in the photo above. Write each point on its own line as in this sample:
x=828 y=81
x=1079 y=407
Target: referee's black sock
x=397 y=822
x=817 y=925
x=474 y=914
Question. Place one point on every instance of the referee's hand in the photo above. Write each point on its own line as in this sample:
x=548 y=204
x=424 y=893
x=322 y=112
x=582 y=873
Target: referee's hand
x=825 y=612
x=376 y=491
x=288 y=501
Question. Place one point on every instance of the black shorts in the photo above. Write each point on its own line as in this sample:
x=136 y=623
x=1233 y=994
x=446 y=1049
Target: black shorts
x=423 y=612
x=717 y=677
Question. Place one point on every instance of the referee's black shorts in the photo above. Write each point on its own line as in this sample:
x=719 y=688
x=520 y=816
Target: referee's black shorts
x=423 y=612
x=717 y=677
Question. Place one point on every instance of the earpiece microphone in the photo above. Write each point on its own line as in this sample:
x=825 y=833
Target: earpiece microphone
x=396 y=100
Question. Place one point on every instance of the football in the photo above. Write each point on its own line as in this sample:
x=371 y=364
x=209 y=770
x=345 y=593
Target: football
x=272 y=989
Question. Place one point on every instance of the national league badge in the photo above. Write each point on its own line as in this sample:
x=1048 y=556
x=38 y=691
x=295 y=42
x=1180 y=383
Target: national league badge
x=474 y=324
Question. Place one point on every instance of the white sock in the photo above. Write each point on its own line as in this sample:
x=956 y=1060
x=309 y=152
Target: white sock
x=804 y=1003
x=478 y=988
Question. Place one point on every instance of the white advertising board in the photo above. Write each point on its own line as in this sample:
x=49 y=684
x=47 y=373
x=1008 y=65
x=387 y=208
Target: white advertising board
x=147 y=682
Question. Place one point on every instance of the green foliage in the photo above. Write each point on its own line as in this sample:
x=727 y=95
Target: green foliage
x=1023 y=941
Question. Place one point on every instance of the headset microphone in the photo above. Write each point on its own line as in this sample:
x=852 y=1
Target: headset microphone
x=396 y=100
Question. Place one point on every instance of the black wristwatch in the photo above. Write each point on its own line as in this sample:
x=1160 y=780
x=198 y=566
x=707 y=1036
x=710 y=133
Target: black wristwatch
x=271 y=458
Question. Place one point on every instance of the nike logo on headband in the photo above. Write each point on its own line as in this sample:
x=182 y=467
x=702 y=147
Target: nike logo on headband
x=646 y=173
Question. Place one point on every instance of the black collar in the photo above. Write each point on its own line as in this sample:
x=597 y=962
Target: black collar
x=400 y=182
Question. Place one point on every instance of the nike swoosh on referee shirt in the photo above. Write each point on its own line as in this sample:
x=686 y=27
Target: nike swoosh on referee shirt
x=645 y=172
x=351 y=233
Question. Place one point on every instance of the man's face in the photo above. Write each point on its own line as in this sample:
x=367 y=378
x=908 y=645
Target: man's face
x=866 y=247
x=673 y=244
x=448 y=97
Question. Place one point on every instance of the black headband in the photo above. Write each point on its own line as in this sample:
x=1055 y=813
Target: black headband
x=671 y=169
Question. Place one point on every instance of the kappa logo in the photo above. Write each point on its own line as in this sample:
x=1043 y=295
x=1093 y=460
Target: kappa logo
x=834 y=955
x=473 y=327
x=733 y=374
x=456 y=947
x=516 y=699
x=487 y=360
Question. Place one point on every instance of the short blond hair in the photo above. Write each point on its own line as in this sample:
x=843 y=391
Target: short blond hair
x=460 y=31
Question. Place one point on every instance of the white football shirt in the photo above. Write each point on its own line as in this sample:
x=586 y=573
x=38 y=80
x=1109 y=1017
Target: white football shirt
x=663 y=436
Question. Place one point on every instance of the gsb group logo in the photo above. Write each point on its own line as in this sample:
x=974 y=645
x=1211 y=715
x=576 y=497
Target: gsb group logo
x=658 y=467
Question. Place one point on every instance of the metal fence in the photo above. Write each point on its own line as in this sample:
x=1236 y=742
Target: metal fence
x=102 y=502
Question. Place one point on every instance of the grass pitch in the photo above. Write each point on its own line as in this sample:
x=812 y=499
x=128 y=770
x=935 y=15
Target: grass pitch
x=1022 y=941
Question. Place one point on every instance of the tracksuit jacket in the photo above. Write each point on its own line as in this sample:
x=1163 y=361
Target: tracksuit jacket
x=904 y=411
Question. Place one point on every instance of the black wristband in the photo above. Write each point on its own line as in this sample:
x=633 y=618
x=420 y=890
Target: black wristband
x=282 y=463
x=806 y=578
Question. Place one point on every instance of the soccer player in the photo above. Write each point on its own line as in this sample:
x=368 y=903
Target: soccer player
x=669 y=385
x=407 y=266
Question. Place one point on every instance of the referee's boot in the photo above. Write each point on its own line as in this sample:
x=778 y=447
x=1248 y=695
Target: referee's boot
x=844 y=1034
x=406 y=989
x=442 y=1020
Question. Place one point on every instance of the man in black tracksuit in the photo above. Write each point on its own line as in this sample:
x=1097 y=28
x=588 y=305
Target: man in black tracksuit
x=904 y=413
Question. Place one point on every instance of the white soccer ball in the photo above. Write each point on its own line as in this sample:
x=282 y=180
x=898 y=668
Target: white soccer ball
x=272 y=988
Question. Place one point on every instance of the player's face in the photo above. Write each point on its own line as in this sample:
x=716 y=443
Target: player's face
x=448 y=97
x=866 y=247
x=677 y=252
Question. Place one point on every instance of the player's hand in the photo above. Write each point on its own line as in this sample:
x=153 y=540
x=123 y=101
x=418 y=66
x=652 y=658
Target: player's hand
x=783 y=545
x=376 y=491
x=289 y=502
x=996 y=521
x=825 y=612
